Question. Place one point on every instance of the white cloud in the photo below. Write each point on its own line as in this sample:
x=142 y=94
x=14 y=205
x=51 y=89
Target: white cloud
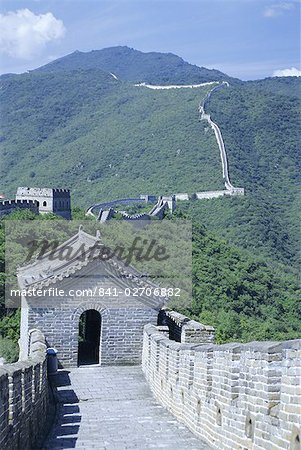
x=277 y=9
x=25 y=34
x=292 y=72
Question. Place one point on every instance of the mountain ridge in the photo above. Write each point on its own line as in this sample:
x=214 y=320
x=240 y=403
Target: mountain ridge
x=130 y=64
x=106 y=138
x=103 y=138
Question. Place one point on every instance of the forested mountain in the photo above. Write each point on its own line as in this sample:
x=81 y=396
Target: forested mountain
x=104 y=138
x=72 y=124
x=135 y=66
x=260 y=121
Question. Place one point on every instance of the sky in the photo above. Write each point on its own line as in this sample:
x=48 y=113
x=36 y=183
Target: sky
x=248 y=39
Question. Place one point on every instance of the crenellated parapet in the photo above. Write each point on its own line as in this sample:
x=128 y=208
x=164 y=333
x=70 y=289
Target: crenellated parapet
x=182 y=329
x=130 y=217
x=8 y=206
x=232 y=395
x=24 y=398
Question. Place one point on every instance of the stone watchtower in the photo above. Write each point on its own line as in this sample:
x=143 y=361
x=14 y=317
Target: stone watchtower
x=48 y=200
x=88 y=309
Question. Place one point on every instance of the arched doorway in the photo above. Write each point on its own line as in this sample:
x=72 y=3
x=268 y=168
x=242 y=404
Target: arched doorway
x=89 y=337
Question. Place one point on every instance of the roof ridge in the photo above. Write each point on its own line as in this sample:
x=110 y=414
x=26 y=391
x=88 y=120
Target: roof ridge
x=58 y=248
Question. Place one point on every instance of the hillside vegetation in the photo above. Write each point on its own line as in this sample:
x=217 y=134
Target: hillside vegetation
x=72 y=124
x=260 y=125
x=104 y=138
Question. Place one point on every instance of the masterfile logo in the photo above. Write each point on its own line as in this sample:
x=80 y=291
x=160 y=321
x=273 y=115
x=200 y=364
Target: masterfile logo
x=139 y=259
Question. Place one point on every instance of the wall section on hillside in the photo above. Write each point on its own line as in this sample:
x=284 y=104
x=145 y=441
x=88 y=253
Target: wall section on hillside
x=24 y=398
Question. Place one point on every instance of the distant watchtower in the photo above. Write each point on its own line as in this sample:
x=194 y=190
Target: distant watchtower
x=48 y=200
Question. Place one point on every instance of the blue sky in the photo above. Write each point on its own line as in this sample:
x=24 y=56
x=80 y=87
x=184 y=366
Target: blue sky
x=248 y=39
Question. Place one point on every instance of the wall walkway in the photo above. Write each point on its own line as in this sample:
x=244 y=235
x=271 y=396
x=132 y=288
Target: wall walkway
x=113 y=408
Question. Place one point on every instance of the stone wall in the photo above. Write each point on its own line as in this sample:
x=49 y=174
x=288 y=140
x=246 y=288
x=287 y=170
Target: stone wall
x=237 y=191
x=142 y=216
x=158 y=210
x=122 y=318
x=182 y=196
x=182 y=329
x=215 y=194
x=212 y=194
x=170 y=200
x=9 y=206
x=234 y=396
x=24 y=398
x=62 y=203
x=104 y=215
x=121 y=335
x=122 y=201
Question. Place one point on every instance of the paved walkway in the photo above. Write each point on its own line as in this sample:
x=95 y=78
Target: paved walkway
x=113 y=408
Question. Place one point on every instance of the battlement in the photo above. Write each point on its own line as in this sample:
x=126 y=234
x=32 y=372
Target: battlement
x=40 y=192
x=142 y=216
x=8 y=206
x=61 y=190
x=24 y=398
x=232 y=395
x=5 y=203
x=182 y=329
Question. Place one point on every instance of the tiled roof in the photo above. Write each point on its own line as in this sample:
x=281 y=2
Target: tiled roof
x=49 y=269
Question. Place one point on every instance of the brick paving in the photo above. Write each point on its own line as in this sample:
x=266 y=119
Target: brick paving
x=112 y=408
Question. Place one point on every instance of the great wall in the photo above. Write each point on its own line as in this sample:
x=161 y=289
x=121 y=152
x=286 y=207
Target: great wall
x=8 y=206
x=230 y=396
x=164 y=202
x=39 y=201
x=188 y=393
x=45 y=200
x=234 y=396
x=25 y=398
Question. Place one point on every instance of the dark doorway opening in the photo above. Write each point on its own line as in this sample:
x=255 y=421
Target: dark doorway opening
x=89 y=337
